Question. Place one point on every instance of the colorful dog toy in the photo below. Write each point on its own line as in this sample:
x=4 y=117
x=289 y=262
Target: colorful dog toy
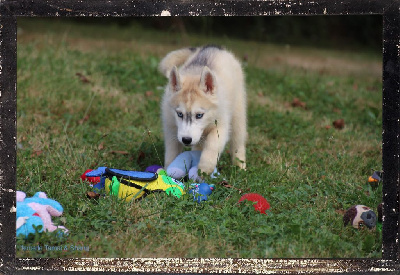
x=95 y=177
x=201 y=191
x=186 y=164
x=37 y=211
x=130 y=185
x=153 y=168
x=93 y=180
x=360 y=215
x=262 y=204
x=375 y=178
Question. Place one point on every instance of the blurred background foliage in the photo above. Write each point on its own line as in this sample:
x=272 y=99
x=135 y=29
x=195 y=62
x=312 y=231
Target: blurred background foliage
x=347 y=32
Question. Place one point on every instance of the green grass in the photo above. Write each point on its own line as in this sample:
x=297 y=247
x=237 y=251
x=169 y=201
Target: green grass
x=310 y=173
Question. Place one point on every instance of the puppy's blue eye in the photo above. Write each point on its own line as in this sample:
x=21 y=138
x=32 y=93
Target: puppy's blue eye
x=198 y=116
x=179 y=114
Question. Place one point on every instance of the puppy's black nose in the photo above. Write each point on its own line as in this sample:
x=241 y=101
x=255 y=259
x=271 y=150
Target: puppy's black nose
x=187 y=140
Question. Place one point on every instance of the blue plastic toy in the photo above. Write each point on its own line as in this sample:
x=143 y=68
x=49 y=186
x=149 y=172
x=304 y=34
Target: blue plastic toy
x=98 y=172
x=201 y=191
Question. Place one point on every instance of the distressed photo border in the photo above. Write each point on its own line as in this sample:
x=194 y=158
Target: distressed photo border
x=390 y=11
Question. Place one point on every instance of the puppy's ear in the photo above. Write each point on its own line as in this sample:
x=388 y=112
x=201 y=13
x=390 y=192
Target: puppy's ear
x=207 y=81
x=174 y=80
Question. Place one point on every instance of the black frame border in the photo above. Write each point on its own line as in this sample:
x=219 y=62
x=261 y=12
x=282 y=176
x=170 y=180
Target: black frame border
x=390 y=11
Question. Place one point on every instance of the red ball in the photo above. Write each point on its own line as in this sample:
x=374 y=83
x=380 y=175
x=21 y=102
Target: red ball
x=262 y=204
x=89 y=179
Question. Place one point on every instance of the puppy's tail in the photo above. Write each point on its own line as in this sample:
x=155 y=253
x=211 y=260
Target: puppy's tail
x=175 y=58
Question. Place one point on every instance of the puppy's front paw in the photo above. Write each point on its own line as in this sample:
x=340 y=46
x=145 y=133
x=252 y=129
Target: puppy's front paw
x=241 y=165
x=207 y=168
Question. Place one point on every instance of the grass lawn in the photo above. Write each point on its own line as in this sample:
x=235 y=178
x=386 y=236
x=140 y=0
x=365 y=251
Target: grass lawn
x=109 y=115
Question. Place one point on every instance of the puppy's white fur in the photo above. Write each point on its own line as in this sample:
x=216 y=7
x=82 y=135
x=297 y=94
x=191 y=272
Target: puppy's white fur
x=204 y=105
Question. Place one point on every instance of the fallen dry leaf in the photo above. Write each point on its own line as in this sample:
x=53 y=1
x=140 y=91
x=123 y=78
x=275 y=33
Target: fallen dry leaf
x=226 y=184
x=141 y=156
x=340 y=211
x=298 y=103
x=86 y=118
x=120 y=152
x=92 y=195
x=338 y=124
x=101 y=146
x=83 y=78
x=36 y=153
x=330 y=83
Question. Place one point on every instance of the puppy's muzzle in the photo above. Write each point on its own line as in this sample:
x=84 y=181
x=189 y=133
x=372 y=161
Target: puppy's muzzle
x=187 y=140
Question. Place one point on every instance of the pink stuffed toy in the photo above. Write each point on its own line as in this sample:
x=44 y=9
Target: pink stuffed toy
x=37 y=210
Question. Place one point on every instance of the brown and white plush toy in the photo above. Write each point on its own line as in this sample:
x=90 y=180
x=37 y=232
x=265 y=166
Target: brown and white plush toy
x=360 y=216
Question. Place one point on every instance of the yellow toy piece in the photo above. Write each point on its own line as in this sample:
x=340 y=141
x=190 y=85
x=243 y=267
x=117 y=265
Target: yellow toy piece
x=130 y=185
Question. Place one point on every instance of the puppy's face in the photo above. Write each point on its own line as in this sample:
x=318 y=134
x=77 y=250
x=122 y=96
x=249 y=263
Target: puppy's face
x=193 y=105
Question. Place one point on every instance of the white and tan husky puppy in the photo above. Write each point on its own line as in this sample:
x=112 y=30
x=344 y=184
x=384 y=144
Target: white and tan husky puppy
x=204 y=105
